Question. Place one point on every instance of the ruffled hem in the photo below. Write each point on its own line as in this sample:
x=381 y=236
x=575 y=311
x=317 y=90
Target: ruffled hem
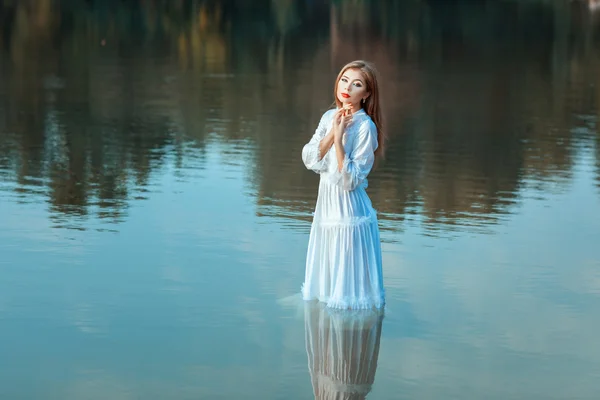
x=347 y=302
x=346 y=179
x=335 y=177
x=310 y=156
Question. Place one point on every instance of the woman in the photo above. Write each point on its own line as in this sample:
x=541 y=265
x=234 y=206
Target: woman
x=343 y=265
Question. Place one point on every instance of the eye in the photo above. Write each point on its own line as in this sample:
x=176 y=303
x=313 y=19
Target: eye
x=344 y=80
x=358 y=84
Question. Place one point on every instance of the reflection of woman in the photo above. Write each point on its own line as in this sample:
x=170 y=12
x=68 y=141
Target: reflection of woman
x=342 y=349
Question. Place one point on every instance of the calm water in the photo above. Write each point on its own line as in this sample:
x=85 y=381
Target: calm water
x=155 y=210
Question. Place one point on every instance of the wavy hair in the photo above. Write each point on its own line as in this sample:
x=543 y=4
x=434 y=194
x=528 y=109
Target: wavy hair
x=372 y=104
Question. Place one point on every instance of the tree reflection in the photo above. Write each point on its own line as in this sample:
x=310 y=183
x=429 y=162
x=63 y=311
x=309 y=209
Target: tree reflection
x=598 y=156
x=477 y=109
x=99 y=95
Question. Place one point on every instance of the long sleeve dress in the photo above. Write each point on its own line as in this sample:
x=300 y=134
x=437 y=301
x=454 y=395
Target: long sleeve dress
x=343 y=262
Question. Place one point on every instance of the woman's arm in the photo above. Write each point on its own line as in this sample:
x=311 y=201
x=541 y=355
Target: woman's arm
x=325 y=144
x=353 y=167
x=340 y=153
x=340 y=122
x=314 y=151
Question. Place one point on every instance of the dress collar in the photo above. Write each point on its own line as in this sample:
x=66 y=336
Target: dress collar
x=359 y=112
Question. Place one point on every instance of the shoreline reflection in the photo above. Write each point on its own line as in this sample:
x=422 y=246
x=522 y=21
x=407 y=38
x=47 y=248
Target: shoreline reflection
x=480 y=119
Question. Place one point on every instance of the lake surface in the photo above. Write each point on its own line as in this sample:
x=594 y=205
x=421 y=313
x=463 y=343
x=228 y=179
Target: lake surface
x=154 y=208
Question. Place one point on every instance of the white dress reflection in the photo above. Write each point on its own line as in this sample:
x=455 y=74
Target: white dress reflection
x=342 y=349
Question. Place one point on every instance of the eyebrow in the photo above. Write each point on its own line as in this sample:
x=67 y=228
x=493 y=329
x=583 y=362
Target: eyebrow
x=357 y=79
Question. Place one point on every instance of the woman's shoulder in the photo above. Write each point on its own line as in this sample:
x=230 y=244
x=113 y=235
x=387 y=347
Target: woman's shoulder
x=366 y=124
x=329 y=113
x=327 y=117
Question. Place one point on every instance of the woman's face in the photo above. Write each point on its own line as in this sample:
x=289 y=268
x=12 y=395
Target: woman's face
x=352 y=88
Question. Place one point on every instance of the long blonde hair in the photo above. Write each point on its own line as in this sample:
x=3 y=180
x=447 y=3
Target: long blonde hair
x=372 y=104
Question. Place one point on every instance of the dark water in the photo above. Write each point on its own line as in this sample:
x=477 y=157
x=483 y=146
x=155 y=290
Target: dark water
x=155 y=211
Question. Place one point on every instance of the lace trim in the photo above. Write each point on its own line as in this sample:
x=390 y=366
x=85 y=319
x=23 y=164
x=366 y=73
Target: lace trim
x=346 y=221
x=350 y=303
x=311 y=158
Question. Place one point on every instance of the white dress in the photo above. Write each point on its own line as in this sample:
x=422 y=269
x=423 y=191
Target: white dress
x=343 y=263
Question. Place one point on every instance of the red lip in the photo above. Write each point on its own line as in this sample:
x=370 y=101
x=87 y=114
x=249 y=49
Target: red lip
x=345 y=95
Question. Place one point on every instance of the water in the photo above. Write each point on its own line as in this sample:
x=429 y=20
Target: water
x=155 y=210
